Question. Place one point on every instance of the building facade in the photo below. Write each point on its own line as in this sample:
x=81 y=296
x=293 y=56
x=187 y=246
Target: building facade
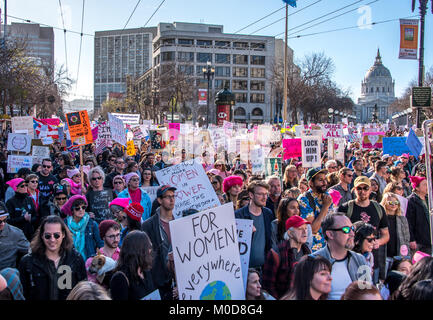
x=118 y=54
x=242 y=63
x=39 y=41
x=377 y=94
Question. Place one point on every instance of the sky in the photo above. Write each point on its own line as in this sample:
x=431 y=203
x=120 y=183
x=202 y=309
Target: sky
x=353 y=51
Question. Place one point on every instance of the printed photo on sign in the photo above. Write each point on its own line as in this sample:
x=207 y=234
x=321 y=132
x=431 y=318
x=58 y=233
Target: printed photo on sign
x=206 y=255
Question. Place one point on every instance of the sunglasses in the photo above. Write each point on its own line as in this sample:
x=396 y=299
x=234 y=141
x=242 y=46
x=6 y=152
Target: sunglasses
x=349 y=175
x=362 y=188
x=118 y=182
x=48 y=236
x=45 y=166
x=24 y=185
x=34 y=181
x=345 y=230
x=3 y=221
x=61 y=199
x=395 y=203
x=370 y=240
x=96 y=178
x=80 y=208
x=120 y=162
x=135 y=179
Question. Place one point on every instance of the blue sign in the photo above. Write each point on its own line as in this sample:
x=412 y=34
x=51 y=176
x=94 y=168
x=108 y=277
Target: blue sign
x=290 y=3
x=395 y=146
x=413 y=143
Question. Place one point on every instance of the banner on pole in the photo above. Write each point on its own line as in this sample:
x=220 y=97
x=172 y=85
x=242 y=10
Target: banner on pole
x=408 y=39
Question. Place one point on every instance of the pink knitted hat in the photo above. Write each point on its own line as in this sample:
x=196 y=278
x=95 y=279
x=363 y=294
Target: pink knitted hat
x=128 y=177
x=14 y=183
x=415 y=180
x=67 y=208
x=121 y=202
x=230 y=182
x=72 y=172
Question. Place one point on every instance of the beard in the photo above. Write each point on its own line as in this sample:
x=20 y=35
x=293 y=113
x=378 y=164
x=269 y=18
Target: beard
x=320 y=189
x=350 y=244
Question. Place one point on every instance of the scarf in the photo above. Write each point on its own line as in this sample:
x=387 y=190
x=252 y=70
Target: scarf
x=78 y=232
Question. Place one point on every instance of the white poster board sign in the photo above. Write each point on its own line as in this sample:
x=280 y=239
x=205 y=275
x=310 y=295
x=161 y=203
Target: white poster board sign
x=39 y=153
x=331 y=130
x=19 y=142
x=151 y=191
x=19 y=124
x=17 y=162
x=117 y=129
x=206 y=255
x=245 y=233
x=311 y=151
x=194 y=189
x=257 y=160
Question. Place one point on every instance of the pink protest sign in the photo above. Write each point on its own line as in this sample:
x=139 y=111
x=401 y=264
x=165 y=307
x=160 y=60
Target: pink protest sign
x=292 y=148
x=95 y=133
x=173 y=131
x=372 y=140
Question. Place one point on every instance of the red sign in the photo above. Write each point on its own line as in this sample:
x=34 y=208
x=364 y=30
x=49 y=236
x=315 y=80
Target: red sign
x=202 y=97
x=223 y=114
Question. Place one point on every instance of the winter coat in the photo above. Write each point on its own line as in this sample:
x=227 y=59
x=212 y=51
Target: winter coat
x=418 y=218
x=18 y=206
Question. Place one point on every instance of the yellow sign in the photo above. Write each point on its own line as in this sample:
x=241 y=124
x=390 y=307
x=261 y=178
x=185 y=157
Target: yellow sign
x=408 y=39
x=130 y=148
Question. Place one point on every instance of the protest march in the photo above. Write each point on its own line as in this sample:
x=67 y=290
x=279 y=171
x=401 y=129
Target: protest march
x=135 y=210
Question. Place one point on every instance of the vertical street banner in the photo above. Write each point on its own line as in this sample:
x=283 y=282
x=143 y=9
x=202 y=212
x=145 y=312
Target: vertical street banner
x=206 y=255
x=117 y=129
x=311 y=151
x=194 y=190
x=202 y=97
x=79 y=128
x=408 y=39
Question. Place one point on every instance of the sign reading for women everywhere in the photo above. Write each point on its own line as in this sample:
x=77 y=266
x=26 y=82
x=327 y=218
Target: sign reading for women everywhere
x=17 y=162
x=79 y=128
x=311 y=151
x=372 y=140
x=194 y=189
x=331 y=130
x=117 y=129
x=292 y=148
x=206 y=255
x=19 y=142
x=395 y=146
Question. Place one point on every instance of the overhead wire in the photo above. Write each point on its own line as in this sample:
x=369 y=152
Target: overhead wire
x=132 y=13
x=64 y=34
x=153 y=13
x=79 y=52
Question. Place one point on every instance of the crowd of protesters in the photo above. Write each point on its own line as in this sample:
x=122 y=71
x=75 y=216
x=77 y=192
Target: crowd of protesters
x=356 y=229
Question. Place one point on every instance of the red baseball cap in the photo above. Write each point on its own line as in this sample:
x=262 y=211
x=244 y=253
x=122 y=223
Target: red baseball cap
x=295 y=222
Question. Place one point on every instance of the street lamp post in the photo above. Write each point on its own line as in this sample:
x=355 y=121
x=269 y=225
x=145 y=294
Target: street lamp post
x=208 y=72
x=331 y=114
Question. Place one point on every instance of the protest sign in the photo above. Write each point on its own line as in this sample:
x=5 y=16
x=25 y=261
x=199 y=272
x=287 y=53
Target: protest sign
x=19 y=142
x=273 y=166
x=17 y=162
x=173 y=131
x=372 y=140
x=128 y=118
x=117 y=129
x=157 y=139
x=395 y=146
x=79 y=128
x=206 y=255
x=257 y=160
x=39 y=153
x=47 y=140
x=130 y=148
x=194 y=189
x=153 y=296
x=245 y=233
x=414 y=144
x=23 y=123
x=336 y=148
x=151 y=191
x=331 y=130
x=137 y=132
x=292 y=148
x=311 y=151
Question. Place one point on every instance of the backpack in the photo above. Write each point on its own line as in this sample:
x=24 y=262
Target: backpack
x=350 y=205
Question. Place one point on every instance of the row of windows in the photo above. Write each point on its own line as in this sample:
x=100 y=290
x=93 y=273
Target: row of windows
x=377 y=89
x=204 y=57
x=208 y=43
x=223 y=71
x=254 y=97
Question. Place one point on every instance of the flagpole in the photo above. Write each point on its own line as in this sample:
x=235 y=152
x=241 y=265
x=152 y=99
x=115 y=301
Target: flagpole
x=285 y=68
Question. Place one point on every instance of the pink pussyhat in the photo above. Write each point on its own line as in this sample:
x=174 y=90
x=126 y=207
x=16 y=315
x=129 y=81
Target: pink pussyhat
x=336 y=196
x=121 y=202
x=14 y=183
x=418 y=256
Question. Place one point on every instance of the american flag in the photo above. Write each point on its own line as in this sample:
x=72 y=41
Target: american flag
x=52 y=129
x=100 y=145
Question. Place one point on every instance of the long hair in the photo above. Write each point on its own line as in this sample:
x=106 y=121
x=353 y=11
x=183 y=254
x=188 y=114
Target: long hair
x=282 y=216
x=422 y=270
x=251 y=271
x=386 y=196
x=136 y=253
x=86 y=290
x=304 y=274
x=362 y=231
x=38 y=246
x=133 y=224
x=357 y=289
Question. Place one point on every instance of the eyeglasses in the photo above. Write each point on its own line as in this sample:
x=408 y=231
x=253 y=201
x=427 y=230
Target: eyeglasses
x=349 y=175
x=96 y=178
x=113 y=236
x=34 y=181
x=395 y=203
x=118 y=182
x=3 y=221
x=120 y=162
x=24 y=185
x=214 y=182
x=370 y=240
x=134 y=179
x=345 y=230
x=262 y=194
x=80 y=208
x=61 y=199
x=48 y=236
x=169 y=197
x=332 y=167
x=362 y=188
x=45 y=166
